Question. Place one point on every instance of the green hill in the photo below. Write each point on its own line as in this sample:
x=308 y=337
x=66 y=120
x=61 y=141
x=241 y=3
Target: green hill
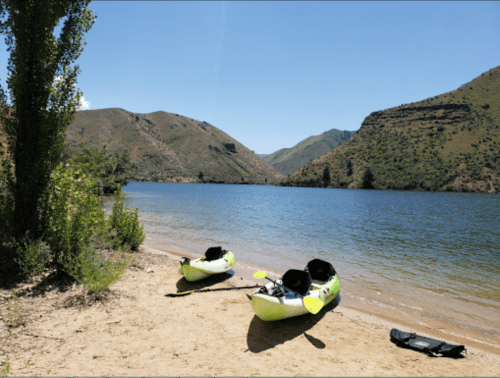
x=288 y=160
x=171 y=148
x=447 y=142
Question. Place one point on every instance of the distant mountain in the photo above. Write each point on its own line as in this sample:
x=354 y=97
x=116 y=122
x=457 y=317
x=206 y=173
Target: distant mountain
x=288 y=160
x=449 y=142
x=170 y=147
x=262 y=155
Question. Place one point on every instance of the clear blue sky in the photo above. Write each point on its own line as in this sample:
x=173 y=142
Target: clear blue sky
x=270 y=74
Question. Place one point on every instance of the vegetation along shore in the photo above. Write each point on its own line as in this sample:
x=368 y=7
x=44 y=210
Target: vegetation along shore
x=81 y=295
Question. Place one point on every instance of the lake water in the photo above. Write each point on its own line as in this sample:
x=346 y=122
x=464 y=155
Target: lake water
x=436 y=255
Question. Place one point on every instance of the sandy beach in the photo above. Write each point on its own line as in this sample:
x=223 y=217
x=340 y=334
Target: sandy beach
x=139 y=331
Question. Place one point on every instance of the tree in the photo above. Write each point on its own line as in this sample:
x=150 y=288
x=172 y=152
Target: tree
x=108 y=170
x=326 y=176
x=42 y=95
x=368 y=177
x=349 y=168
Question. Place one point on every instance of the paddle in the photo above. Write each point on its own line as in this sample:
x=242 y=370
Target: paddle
x=313 y=305
x=207 y=290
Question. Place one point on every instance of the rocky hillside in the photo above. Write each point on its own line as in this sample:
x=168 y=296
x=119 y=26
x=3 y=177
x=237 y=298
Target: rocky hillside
x=288 y=160
x=171 y=148
x=448 y=142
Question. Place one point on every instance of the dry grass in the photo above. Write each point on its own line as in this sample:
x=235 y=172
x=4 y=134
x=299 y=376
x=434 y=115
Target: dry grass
x=428 y=147
x=170 y=147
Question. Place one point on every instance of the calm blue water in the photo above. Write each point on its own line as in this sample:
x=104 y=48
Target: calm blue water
x=442 y=242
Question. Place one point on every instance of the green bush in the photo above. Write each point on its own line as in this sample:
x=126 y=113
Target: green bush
x=125 y=231
x=72 y=215
x=94 y=271
x=34 y=255
x=108 y=170
x=6 y=202
x=73 y=227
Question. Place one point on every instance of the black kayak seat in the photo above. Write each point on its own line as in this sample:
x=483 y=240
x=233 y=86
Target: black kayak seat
x=321 y=271
x=297 y=280
x=214 y=253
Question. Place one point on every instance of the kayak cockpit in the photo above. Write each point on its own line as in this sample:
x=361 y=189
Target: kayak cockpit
x=215 y=261
x=284 y=298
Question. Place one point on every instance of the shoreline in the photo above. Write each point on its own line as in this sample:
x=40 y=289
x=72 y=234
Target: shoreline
x=403 y=269
x=139 y=331
x=434 y=328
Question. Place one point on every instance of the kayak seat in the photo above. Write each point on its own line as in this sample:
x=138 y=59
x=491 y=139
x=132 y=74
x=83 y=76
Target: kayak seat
x=297 y=280
x=214 y=253
x=320 y=271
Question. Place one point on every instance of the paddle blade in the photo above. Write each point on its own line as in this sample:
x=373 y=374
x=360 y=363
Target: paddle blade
x=260 y=274
x=179 y=294
x=313 y=305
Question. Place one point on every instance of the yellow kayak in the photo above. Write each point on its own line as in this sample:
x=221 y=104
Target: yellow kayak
x=215 y=261
x=318 y=280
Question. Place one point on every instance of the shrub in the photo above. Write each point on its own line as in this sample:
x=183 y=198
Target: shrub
x=74 y=225
x=34 y=255
x=367 y=180
x=94 y=271
x=72 y=215
x=6 y=201
x=125 y=231
x=109 y=170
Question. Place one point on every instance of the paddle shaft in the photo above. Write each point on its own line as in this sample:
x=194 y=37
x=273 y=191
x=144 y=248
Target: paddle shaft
x=207 y=290
x=227 y=288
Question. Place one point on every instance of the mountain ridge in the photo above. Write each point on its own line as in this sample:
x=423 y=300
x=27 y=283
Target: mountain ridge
x=449 y=142
x=288 y=160
x=171 y=148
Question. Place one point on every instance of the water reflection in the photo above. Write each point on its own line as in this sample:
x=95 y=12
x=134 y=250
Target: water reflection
x=444 y=241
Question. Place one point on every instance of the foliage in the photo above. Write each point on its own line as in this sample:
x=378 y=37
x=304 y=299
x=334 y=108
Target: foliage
x=6 y=201
x=34 y=255
x=367 y=179
x=288 y=160
x=94 y=271
x=349 y=168
x=72 y=215
x=41 y=90
x=125 y=231
x=108 y=170
x=73 y=218
x=326 y=176
x=450 y=142
x=53 y=210
x=180 y=161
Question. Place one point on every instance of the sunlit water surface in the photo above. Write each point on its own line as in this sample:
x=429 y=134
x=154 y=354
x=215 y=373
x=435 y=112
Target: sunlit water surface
x=446 y=244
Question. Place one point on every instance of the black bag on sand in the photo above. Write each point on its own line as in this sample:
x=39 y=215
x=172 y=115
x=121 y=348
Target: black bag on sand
x=426 y=345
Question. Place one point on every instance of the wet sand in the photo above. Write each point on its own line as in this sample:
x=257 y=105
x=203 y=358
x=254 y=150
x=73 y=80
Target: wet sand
x=420 y=310
x=141 y=332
